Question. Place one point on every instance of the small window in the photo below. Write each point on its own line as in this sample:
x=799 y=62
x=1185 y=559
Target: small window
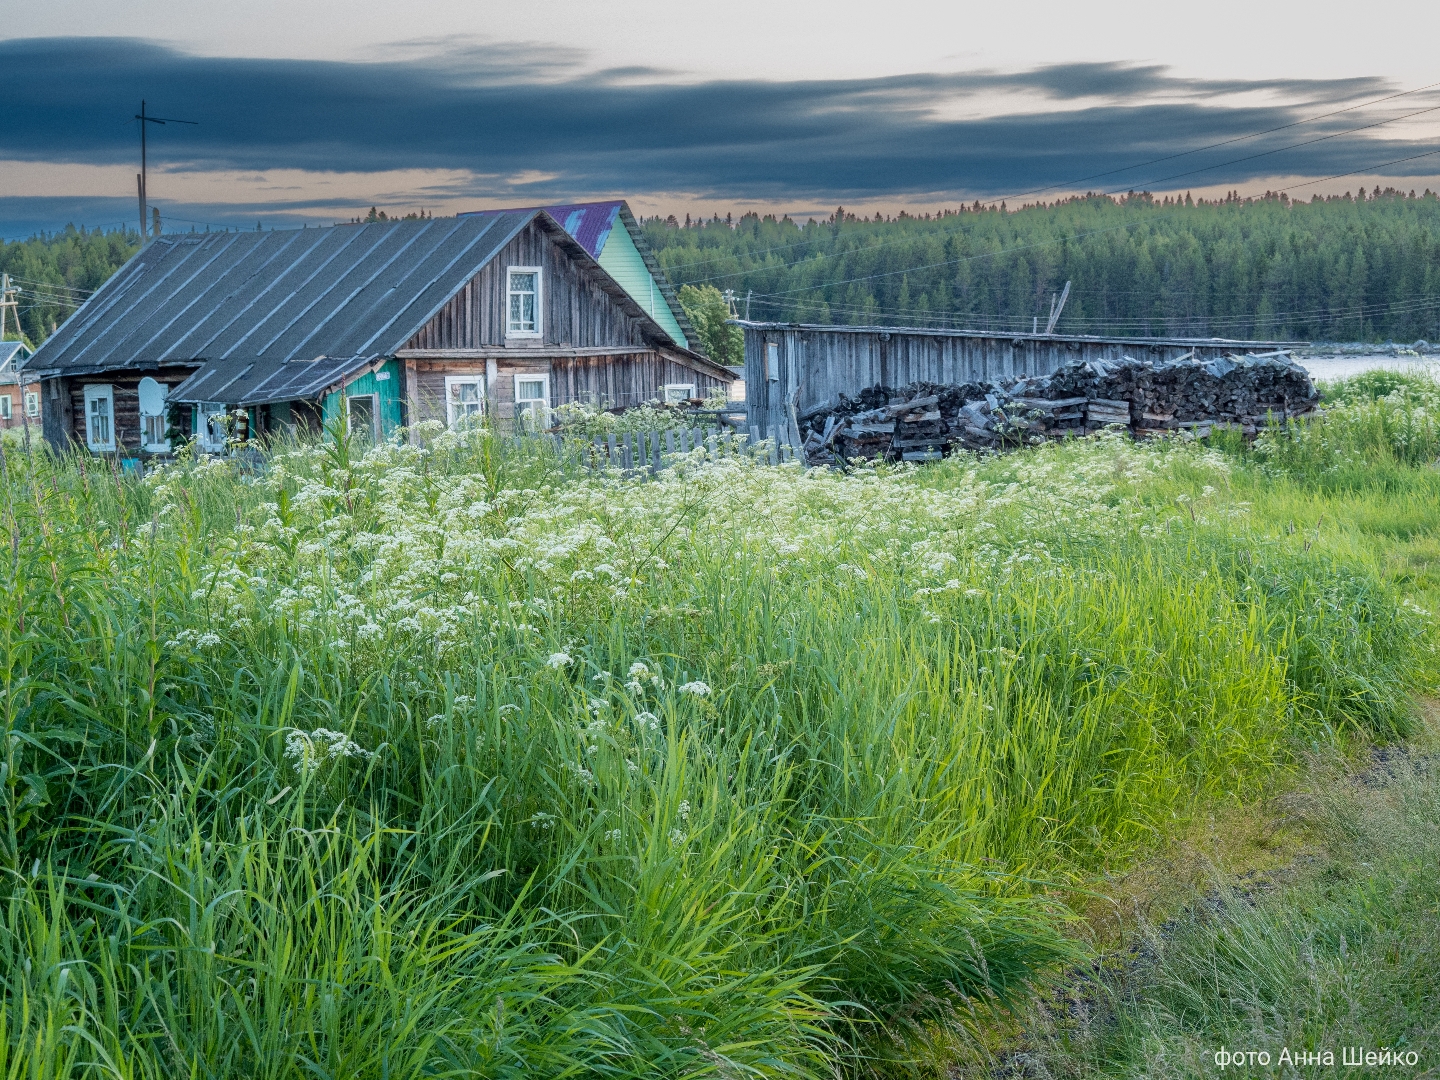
x=5 y=413
x=772 y=360
x=464 y=398
x=677 y=392
x=361 y=412
x=532 y=400
x=32 y=403
x=153 y=422
x=100 y=417
x=214 y=426
x=524 y=302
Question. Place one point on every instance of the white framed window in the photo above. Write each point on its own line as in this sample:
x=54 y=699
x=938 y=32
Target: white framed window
x=532 y=400
x=153 y=422
x=5 y=407
x=677 y=392
x=100 y=417
x=522 y=309
x=464 y=398
x=362 y=413
x=214 y=426
x=32 y=403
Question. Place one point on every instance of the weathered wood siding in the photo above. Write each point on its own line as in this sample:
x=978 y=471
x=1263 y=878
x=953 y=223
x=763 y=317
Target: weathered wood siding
x=126 y=390
x=610 y=381
x=622 y=381
x=576 y=311
x=824 y=363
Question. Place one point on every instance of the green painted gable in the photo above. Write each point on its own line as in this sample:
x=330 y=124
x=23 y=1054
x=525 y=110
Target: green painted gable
x=391 y=392
x=621 y=259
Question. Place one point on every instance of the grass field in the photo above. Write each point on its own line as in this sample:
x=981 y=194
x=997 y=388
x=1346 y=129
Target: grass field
x=442 y=759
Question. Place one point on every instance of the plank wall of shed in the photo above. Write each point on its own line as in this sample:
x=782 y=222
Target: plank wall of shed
x=824 y=365
x=576 y=311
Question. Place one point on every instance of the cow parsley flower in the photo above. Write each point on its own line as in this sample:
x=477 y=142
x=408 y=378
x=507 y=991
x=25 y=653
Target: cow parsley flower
x=699 y=689
x=559 y=660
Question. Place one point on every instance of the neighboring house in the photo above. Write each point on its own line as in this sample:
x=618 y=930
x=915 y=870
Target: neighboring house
x=19 y=394
x=506 y=312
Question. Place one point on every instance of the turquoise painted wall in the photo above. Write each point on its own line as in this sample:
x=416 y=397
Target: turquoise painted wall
x=621 y=259
x=391 y=391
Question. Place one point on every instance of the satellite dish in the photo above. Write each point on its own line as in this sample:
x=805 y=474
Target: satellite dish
x=152 y=397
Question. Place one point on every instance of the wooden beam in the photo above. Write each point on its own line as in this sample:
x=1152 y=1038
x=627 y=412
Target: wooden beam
x=500 y=353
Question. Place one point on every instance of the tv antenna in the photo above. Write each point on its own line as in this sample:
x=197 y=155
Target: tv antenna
x=141 y=176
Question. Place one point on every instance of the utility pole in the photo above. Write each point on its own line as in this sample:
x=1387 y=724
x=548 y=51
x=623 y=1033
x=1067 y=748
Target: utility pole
x=10 y=301
x=143 y=175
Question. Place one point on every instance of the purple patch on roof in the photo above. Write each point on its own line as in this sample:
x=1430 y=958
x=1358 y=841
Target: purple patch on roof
x=588 y=223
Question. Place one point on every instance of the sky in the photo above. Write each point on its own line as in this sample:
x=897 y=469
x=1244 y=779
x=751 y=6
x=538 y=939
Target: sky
x=314 y=112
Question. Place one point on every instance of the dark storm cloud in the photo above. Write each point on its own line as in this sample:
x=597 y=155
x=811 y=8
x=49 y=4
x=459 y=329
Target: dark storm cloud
x=499 y=110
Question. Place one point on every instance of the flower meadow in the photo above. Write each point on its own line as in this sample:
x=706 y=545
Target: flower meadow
x=449 y=758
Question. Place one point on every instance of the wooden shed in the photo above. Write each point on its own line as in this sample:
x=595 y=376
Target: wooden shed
x=808 y=365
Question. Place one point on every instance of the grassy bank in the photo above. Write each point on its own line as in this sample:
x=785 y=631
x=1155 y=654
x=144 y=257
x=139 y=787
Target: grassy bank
x=439 y=760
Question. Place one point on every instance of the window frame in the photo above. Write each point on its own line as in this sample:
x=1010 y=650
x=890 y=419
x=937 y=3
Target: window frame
x=374 y=399
x=478 y=378
x=205 y=431
x=32 y=397
x=668 y=400
x=544 y=379
x=162 y=446
x=539 y=330
x=93 y=391
x=7 y=407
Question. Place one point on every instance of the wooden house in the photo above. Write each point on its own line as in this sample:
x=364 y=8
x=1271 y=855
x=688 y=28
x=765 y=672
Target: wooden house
x=19 y=393
x=508 y=313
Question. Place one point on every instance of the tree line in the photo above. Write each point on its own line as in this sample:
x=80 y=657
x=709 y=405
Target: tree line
x=1362 y=267
x=57 y=271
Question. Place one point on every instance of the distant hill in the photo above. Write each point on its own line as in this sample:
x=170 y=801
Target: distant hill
x=56 y=271
x=1348 y=268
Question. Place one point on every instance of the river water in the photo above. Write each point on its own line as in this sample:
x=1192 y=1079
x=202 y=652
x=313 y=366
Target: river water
x=1341 y=367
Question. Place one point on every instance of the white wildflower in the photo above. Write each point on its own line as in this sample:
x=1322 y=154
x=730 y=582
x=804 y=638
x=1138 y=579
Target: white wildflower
x=699 y=689
x=559 y=660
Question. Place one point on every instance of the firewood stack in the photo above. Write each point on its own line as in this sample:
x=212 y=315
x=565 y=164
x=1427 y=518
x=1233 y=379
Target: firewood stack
x=923 y=421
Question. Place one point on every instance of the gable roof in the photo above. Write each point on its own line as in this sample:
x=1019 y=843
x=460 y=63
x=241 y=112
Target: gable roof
x=10 y=352
x=624 y=254
x=346 y=291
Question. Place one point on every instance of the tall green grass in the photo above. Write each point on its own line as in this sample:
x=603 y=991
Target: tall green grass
x=444 y=759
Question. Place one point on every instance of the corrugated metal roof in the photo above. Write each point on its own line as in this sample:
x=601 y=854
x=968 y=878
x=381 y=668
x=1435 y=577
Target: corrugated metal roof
x=278 y=297
x=261 y=381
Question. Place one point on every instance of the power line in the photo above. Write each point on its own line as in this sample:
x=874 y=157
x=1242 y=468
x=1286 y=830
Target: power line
x=1128 y=168
x=1063 y=239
